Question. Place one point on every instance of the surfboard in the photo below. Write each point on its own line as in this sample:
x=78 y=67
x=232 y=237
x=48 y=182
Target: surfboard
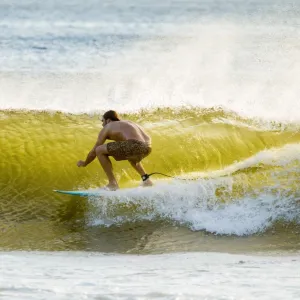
x=86 y=193
x=100 y=192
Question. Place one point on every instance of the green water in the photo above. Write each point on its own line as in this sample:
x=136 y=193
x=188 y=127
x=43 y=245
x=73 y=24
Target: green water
x=39 y=151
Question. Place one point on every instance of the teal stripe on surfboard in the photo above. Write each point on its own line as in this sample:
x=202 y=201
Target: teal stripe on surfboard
x=86 y=193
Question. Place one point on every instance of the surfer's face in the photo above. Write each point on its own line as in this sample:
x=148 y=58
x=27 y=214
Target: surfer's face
x=105 y=122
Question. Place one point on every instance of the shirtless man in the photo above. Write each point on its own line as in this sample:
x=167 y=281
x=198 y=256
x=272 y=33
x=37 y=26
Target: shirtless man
x=131 y=143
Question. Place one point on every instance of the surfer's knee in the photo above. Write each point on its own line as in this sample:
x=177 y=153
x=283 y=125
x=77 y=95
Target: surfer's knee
x=100 y=150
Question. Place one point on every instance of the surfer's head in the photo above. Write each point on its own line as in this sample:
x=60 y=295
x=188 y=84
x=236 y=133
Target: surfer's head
x=110 y=116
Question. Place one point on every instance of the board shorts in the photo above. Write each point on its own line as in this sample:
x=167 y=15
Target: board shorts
x=132 y=150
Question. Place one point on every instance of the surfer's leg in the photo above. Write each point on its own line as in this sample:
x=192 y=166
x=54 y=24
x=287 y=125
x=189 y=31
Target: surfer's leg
x=102 y=154
x=140 y=169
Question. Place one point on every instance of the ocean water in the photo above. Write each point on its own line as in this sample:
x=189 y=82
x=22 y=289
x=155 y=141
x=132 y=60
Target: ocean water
x=215 y=83
x=178 y=276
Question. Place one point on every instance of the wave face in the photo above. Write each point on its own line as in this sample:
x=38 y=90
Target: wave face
x=243 y=181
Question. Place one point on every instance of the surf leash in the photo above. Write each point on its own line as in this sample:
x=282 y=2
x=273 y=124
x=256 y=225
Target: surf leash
x=146 y=176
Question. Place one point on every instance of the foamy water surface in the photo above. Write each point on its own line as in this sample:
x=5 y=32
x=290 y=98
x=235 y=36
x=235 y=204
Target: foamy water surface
x=180 y=276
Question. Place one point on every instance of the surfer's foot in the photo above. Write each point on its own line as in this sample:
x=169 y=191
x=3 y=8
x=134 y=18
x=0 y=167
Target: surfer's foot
x=147 y=182
x=112 y=187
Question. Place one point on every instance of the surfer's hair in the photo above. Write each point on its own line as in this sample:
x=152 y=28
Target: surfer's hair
x=112 y=115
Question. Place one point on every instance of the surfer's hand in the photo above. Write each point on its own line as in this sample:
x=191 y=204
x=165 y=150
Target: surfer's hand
x=81 y=163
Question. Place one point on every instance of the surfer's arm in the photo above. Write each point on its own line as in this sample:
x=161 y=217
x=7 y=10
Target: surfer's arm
x=100 y=141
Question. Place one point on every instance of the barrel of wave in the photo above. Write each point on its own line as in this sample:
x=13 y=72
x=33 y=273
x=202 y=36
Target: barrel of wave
x=40 y=149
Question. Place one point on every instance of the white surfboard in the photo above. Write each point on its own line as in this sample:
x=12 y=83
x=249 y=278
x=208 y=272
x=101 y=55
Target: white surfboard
x=128 y=191
x=86 y=193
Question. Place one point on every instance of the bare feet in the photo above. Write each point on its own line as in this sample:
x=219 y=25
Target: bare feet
x=112 y=187
x=147 y=182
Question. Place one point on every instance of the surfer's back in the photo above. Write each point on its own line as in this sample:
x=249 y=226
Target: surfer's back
x=127 y=130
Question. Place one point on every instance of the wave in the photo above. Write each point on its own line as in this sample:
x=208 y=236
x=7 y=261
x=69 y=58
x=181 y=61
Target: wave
x=244 y=175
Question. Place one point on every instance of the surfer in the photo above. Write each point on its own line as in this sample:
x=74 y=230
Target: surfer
x=131 y=143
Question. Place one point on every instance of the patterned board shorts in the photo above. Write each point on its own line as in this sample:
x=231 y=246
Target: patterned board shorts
x=132 y=150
